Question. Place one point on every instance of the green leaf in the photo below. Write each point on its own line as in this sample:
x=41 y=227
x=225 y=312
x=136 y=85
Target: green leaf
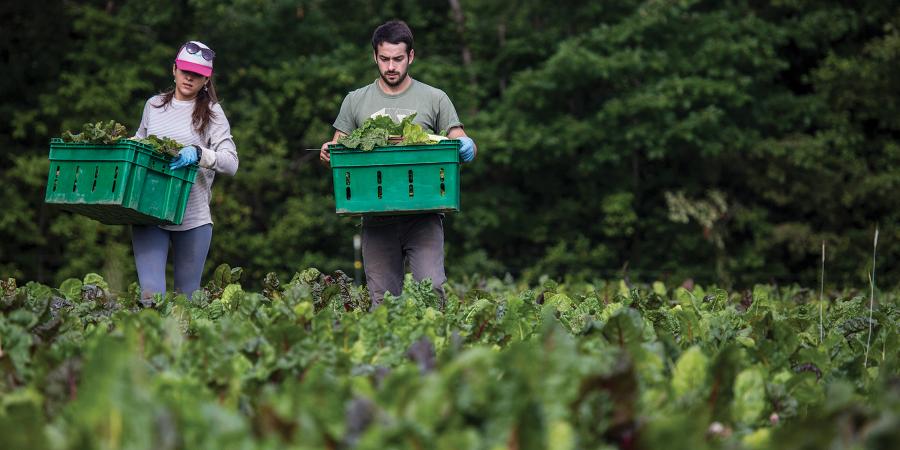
x=230 y=294
x=624 y=328
x=749 y=396
x=689 y=379
x=71 y=288
x=96 y=280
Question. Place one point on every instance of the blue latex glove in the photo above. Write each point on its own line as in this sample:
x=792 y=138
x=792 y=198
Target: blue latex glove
x=467 y=149
x=186 y=157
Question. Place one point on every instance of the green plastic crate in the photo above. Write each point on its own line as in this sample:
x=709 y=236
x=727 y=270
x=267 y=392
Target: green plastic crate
x=396 y=179
x=122 y=183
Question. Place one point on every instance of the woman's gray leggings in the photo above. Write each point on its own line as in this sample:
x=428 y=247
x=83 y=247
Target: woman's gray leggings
x=151 y=249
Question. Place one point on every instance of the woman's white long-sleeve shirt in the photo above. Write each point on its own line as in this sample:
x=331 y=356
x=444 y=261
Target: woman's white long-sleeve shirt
x=219 y=153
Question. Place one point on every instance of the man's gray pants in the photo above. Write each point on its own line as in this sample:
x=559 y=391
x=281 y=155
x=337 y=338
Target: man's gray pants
x=417 y=239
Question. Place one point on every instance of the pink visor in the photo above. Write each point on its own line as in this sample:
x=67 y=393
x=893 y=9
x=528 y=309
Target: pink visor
x=206 y=71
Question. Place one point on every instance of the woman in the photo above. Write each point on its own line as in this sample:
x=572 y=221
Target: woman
x=189 y=113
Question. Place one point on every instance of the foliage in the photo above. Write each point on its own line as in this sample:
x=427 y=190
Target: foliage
x=97 y=133
x=413 y=133
x=162 y=145
x=368 y=136
x=376 y=131
x=112 y=132
x=305 y=364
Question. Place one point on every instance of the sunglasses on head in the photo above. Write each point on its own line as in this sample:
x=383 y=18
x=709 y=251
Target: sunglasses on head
x=206 y=53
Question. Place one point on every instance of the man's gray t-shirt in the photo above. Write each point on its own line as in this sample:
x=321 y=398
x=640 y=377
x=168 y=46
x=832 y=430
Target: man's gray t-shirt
x=432 y=107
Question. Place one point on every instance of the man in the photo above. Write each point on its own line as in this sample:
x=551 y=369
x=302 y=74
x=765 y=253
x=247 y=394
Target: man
x=389 y=241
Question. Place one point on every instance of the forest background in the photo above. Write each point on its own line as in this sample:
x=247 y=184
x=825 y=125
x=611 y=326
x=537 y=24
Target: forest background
x=719 y=141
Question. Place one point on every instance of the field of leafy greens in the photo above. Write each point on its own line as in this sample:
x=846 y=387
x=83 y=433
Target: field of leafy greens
x=305 y=365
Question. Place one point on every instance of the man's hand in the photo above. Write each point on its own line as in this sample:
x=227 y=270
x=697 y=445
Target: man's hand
x=324 y=156
x=467 y=149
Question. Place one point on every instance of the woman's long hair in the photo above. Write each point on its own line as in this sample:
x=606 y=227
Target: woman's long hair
x=203 y=112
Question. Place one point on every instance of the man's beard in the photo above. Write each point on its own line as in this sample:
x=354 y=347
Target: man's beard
x=396 y=83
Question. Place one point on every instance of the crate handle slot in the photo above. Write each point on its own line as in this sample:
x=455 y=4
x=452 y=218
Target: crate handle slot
x=410 y=177
x=347 y=177
x=410 y=183
x=56 y=179
x=443 y=187
x=96 y=172
x=115 y=179
x=442 y=174
x=378 y=179
x=75 y=184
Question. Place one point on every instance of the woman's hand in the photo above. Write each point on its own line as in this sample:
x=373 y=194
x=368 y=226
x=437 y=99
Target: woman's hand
x=186 y=156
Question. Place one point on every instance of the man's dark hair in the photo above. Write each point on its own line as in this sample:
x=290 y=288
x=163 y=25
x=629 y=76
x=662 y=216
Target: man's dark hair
x=394 y=32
